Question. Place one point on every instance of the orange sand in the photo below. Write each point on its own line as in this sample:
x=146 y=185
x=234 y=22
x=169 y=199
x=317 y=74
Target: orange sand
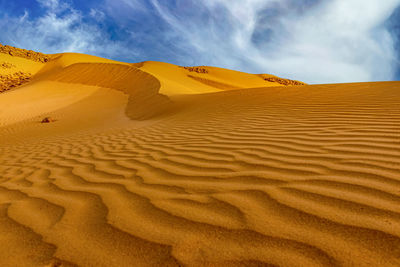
x=151 y=164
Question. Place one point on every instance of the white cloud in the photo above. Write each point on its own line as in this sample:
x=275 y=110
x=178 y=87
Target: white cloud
x=340 y=41
x=316 y=41
x=123 y=10
x=96 y=14
x=52 y=4
x=332 y=41
x=60 y=29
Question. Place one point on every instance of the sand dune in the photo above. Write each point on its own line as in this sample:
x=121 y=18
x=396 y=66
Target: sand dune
x=152 y=164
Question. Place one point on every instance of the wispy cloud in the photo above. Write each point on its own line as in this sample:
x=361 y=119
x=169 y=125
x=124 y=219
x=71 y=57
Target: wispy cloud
x=61 y=28
x=316 y=41
x=97 y=15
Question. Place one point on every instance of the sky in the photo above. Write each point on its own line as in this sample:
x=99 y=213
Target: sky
x=315 y=41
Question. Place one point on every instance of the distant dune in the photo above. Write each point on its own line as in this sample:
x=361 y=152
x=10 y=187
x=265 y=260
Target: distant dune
x=153 y=164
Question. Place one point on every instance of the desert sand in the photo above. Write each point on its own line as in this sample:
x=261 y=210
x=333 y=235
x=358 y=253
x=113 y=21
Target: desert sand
x=152 y=164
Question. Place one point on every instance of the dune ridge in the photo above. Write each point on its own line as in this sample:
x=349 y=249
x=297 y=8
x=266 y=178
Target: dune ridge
x=261 y=176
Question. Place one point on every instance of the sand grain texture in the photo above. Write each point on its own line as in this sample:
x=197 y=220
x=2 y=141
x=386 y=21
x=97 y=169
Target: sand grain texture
x=135 y=172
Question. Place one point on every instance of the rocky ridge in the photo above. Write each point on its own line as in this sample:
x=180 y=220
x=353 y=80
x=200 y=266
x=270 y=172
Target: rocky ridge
x=28 y=54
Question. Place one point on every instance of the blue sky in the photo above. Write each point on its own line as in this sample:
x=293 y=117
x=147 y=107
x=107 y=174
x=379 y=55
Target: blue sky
x=316 y=41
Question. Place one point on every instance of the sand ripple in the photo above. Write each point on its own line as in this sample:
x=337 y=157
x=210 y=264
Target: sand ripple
x=300 y=176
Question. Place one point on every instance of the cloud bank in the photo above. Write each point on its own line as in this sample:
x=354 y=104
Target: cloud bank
x=316 y=41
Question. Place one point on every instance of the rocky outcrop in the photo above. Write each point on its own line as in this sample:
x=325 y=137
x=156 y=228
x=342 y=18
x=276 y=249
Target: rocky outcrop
x=11 y=81
x=285 y=82
x=196 y=69
x=7 y=65
x=28 y=54
x=47 y=120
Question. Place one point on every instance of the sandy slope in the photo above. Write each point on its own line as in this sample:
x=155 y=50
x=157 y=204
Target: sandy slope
x=146 y=166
